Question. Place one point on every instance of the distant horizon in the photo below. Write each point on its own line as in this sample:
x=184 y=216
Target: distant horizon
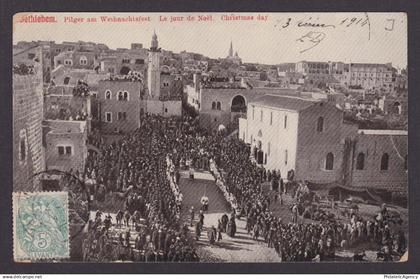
x=144 y=47
x=256 y=43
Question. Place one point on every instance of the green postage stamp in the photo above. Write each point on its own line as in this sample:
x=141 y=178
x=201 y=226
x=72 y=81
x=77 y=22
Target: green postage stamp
x=40 y=226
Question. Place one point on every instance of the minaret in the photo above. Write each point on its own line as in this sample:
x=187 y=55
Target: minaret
x=231 y=50
x=153 y=70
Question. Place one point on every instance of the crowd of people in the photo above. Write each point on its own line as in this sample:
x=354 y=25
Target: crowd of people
x=299 y=241
x=138 y=168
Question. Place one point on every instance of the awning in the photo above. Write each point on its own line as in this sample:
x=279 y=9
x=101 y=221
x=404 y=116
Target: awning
x=331 y=188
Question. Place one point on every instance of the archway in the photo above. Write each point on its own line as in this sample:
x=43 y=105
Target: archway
x=94 y=149
x=125 y=70
x=238 y=104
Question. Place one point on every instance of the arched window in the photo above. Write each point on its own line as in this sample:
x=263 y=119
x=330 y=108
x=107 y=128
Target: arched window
x=83 y=60
x=329 y=162
x=320 y=124
x=66 y=80
x=108 y=94
x=219 y=106
x=120 y=95
x=360 y=162
x=125 y=96
x=384 y=161
x=213 y=105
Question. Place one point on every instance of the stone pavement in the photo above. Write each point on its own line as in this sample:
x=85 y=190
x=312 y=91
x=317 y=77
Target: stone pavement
x=241 y=248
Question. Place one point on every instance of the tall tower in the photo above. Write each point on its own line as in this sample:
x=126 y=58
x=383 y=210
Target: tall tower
x=231 y=50
x=153 y=69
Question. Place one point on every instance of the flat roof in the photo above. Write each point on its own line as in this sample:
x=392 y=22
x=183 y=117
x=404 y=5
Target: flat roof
x=384 y=132
x=65 y=126
x=285 y=102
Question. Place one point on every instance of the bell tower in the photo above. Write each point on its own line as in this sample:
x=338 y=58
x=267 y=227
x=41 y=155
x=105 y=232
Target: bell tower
x=230 y=50
x=153 y=69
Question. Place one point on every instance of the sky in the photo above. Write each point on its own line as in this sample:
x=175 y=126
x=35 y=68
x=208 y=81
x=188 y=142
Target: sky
x=272 y=38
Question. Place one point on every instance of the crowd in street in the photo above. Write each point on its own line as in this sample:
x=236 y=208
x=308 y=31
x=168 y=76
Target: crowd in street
x=136 y=169
x=298 y=240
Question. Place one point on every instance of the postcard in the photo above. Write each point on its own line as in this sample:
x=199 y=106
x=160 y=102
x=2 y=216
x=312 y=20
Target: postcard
x=210 y=137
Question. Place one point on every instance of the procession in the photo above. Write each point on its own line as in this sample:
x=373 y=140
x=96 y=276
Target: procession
x=179 y=141
x=143 y=170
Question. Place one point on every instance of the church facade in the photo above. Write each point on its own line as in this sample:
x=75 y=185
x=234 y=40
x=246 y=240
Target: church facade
x=311 y=138
x=234 y=58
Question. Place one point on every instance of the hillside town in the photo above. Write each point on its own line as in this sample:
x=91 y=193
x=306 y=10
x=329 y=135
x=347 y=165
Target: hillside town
x=178 y=157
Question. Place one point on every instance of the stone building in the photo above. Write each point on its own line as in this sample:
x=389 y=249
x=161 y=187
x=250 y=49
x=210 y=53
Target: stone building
x=122 y=61
x=319 y=74
x=39 y=51
x=120 y=105
x=310 y=137
x=65 y=145
x=380 y=77
x=380 y=159
x=225 y=103
x=76 y=59
x=28 y=153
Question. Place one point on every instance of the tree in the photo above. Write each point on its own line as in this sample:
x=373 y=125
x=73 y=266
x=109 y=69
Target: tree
x=263 y=76
x=81 y=89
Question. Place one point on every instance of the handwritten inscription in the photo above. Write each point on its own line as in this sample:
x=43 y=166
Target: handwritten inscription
x=312 y=27
x=312 y=39
x=390 y=25
x=308 y=22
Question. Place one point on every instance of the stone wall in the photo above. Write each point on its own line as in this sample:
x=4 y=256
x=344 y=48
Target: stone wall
x=164 y=108
x=27 y=119
x=373 y=147
x=313 y=145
